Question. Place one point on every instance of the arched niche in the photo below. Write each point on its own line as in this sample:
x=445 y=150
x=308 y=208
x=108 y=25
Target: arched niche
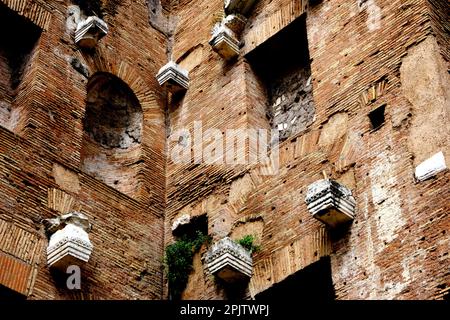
x=111 y=149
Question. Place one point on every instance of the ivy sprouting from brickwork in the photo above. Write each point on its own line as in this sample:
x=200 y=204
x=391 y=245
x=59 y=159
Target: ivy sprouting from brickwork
x=178 y=260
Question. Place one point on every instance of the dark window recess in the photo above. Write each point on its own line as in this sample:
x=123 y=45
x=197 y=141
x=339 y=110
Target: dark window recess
x=17 y=41
x=312 y=283
x=7 y=294
x=376 y=117
x=197 y=224
x=283 y=65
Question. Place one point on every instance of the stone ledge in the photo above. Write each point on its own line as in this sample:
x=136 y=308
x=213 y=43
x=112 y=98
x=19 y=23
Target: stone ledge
x=229 y=261
x=224 y=43
x=90 y=31
x=330 y=202
x=173 y=77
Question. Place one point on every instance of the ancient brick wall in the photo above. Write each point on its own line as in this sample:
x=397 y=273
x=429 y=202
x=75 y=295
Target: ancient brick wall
x=41 y=170
x=439 y=14
x=397 y=246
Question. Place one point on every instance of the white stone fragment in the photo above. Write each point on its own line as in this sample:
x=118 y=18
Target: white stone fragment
x=278 y=102
x=430 y=167
x=90 y=31
x=183 y=220
x=229 y=261
x=173 y=77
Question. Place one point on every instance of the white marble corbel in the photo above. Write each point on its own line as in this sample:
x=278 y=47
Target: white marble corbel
x=330 y=202
x=229 y=261
x=173 y=77
x=89 y=32
x=224 y=42
x=69 y=242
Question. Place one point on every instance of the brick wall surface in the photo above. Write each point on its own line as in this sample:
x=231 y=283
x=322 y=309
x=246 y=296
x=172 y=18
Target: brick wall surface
x=395 y=52
x=127 y=233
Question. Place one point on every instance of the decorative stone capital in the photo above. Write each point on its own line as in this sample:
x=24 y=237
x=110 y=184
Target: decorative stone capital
x=90 y=31
x=173 y=77
x=239 y=6
x=330 y=202
x=69 y=241
x=229 y=261
x=224 y=42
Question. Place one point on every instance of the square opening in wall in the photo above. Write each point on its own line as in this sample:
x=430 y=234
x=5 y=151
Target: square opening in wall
x=377 y=117
x=282 y=63
x=18 y=38
x=314 y=282
x=7 y=294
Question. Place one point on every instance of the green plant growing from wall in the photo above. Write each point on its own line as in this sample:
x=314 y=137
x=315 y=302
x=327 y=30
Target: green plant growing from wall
x=178 y=261
x=248 y=242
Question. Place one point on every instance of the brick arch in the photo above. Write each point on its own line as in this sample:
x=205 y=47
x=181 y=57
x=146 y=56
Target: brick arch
x=153 y=116
x=111 y=149
x=102 y=62
x=38 y=13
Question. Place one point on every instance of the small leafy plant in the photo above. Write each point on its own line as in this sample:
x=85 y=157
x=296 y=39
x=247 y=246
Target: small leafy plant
x=178 y=260
x=248 y=243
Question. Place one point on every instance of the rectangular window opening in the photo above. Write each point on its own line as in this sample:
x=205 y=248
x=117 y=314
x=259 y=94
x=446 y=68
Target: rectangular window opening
x=282 y=63
x=18 y=39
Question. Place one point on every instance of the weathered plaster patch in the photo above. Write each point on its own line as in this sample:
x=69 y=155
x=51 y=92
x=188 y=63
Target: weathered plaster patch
x=386 y=198
x=66 y=179
x=374 y=14
x=334 y=129
x=425 y=83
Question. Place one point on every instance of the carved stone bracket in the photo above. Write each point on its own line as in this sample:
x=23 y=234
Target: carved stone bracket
x=330 y=202
x=69 y=241
x=229 y=261
x=90 y=31
x=173 y=77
